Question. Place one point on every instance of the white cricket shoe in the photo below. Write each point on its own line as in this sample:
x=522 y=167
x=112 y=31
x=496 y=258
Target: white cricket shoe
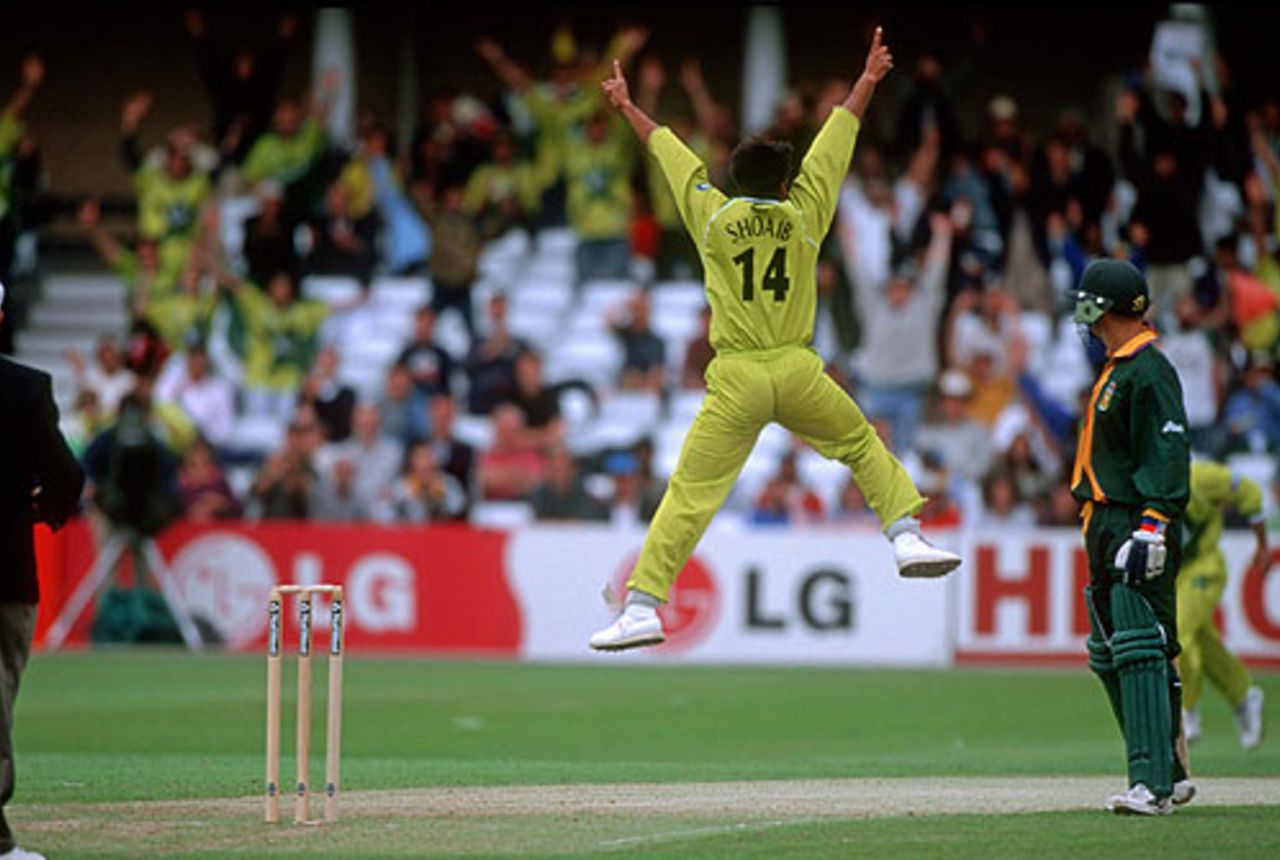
x=1139 y=801
x=1184 y=791
x=919 y=559
x=16 y=853
x=1191 y=724
x=636 y=627
x=1249 y=718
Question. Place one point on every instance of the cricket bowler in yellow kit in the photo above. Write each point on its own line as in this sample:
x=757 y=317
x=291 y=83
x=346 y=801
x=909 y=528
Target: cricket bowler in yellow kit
x=759 y=252
x=1200 y=584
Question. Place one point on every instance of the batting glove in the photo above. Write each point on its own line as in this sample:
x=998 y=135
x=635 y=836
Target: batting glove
x=1143 y=555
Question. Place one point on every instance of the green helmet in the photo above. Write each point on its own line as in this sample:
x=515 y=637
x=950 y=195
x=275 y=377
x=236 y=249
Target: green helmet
x=1110 y=286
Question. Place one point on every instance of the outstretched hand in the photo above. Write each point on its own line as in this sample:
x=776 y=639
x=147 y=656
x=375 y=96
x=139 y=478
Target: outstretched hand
x=879 y=58
x=615 y=88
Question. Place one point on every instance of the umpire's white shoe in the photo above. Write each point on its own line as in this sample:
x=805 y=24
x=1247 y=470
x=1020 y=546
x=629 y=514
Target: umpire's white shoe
x=17 y=853
x=1139 y=801
x=1191 y=725
x=636 y=627
x=1249 y=718
x=1184 y=791
x=919 y=559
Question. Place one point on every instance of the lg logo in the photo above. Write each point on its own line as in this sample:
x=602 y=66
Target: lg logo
x=823 y=601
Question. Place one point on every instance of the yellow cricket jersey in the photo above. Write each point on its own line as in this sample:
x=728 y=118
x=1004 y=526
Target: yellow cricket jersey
x=598 y=177
x=1214 y=486
x=168 y=208
x=163 y=282
x=285 y=159
x=280 y=342
x=664 y=205
x=760 y=256
x=182 y=319
x=11 y=131
x=498 y=184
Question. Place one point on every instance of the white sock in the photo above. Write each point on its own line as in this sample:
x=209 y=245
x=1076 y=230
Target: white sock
x=902 y=526
x=636 y=597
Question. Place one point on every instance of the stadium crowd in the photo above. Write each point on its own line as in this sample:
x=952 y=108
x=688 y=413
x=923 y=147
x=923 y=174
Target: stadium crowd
x=942 y=289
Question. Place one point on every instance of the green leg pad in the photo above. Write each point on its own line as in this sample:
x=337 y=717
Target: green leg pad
x=1100 y=659
x=1138 y=651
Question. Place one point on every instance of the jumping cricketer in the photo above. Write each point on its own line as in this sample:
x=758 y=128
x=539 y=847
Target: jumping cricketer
x=759 y=252
x=1200 y=585
x=1132 y=474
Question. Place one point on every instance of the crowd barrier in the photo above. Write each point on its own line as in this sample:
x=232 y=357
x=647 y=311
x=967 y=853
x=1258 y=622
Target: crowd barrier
x=801 y=596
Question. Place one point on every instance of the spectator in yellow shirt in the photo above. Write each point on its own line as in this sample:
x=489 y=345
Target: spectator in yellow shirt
x=169 y=195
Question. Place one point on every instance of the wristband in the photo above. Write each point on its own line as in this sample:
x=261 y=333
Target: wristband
x=1153 y=523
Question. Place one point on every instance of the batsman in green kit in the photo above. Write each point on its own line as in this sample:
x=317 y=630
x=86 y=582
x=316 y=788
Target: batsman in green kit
x=1132 y=474
x=759 y=252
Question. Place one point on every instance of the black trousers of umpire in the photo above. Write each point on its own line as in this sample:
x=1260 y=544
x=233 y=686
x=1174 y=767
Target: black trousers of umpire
x=17 y=627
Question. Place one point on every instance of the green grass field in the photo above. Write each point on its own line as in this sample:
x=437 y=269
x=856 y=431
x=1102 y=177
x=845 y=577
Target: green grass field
x=160 y=754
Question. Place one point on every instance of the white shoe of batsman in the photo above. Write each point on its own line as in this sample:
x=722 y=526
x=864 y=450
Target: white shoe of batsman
x=919 y=559
x=16 y=853
x=1249 y=718
x=1184 y=791
x=1139 y=801
x=636 y=627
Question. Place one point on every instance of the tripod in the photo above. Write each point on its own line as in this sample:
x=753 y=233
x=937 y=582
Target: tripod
x=103 y=566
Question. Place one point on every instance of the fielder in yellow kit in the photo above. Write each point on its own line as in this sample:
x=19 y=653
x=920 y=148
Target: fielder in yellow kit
x=759 y=252
x=1200 y=584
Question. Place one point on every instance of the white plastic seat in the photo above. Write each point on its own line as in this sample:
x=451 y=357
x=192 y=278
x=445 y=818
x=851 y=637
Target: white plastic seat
x=605 y=296
x=402 y=294
x=825 y=477
x=475 y=430
x=501 y=515
x=451 y=333
x=682 y=406
x=258 y=434
x=638 y=408
x=596 y=359
x=555 y=241
x=678 y=295
x=331 y=289
x=541 y=295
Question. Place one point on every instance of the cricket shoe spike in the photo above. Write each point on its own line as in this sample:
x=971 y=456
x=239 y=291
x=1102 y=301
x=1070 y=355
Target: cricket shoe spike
x=1249 y=718
x=1184 y=791
x=636 y=627
x=1191 y=724
x=919 y=559
x=1139 y=801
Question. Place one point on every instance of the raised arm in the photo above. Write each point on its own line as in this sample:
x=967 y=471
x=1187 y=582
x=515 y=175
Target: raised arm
x=32 y=77
x=619 y=96
x=695 y=197
x=103 y=242
x=625 y=44
x=651 y=78
x=879 y=62
x=131 y=115
x=827 y=161
x=508 y=71
x=695 y=86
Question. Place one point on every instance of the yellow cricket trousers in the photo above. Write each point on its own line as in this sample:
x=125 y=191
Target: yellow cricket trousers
x=1200 y=585
x=745 y=391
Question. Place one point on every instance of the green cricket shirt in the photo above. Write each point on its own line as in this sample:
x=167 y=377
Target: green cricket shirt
x=1133 y=449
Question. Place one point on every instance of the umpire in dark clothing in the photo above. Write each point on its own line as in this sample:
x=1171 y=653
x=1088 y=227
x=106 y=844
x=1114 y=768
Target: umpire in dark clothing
x=40 y=481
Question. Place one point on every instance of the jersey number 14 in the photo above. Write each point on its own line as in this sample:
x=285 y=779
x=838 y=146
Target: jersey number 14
x=775 y=278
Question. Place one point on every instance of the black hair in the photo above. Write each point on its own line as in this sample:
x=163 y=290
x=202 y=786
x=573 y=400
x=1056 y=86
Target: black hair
x=760 y=167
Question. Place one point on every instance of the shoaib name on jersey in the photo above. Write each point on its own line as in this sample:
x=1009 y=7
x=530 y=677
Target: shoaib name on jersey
x=757 y=226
